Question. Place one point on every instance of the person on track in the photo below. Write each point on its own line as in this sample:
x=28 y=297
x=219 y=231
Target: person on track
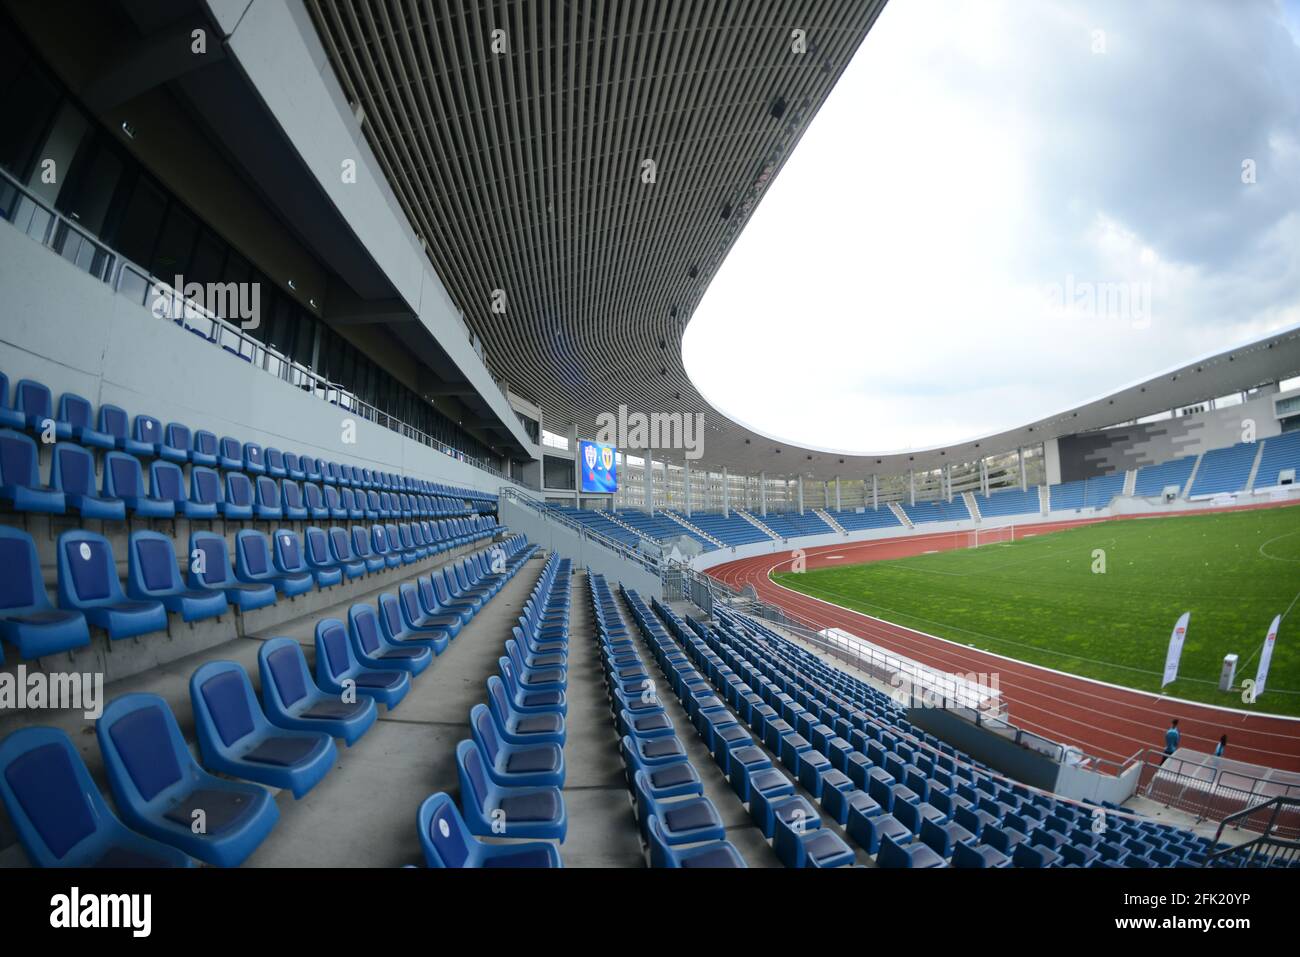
x=1172 y=737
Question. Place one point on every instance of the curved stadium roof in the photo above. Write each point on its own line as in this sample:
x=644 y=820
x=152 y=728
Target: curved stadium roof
x=523 y=171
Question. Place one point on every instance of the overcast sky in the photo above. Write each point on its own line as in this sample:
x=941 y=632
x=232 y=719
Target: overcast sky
x=920 y=272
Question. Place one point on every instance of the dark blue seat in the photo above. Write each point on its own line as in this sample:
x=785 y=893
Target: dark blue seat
x=254 y=459
x=490 y=809
x=230 y=454
x=113 y=422
x=124 y=480
x=146 y=431
x=76 y=412
x=73 y=474
x=316 y=506
x=518 y=727
x=10 y=418
x=88 y=583
x=27 y=619
x=206 y=498
x=238 y=503
x=293 y=701
x=274 y=459
x=869 y=829
x=152 y=574
x=205 y=450
x=397 y=633
x=34 y=402
x=339 y=672
x=236 y=738
x=20 y=478
x=266 y=504
x=447 y=842
x=361 y=548
x=291 y=503
x=176 y=446
x=255 y=565
x=61 y=818
x=341 y=551
x=915 y=854
x=210 y=570
x=515 y=765
x=160 y=790
x=710 y=854
x=373 y=651
x=530 y=701
x=802 y=844
x=320 y=562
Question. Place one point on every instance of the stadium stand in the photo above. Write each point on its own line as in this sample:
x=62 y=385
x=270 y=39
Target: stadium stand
x=1224 y=470
x=937 y=511
x=1093 y=493
x=794 y=525
x=731 y=529
x=1010 y=501
x=867 y=518
x=1280 y=453
x=1153 y=479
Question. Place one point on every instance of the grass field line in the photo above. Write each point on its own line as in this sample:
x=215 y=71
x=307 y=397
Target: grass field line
x=899 y=618
x=1278 y=558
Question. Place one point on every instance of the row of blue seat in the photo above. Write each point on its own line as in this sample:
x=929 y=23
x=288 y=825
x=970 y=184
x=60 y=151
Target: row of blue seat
x=177 y=810
x=33 y=410
x=512 y=767
x=903 y=800
x=121 y=489
x=679 y=825
x=90 y=593
x=792 y=824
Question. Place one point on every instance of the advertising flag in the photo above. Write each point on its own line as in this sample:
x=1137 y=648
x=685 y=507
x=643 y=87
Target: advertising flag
x=1266 y=656
x=1175 y=648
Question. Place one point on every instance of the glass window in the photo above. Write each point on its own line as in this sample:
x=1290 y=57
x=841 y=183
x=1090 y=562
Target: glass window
x=175 y=245
x=139 y=221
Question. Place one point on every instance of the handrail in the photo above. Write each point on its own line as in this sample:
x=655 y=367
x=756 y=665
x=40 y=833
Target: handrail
x=512 y=493
x=56 y=232
x=1276 y=849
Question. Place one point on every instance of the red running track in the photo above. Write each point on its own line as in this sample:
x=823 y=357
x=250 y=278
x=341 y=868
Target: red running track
x=1101 y=719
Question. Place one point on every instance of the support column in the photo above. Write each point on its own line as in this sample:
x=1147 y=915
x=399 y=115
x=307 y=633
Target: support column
x=800 y=491
x=875 y=492
x=947 y=480
x=838 y=506
x=1024 y=482
x=686 y=485
x=726 y=494
x=649 y=483
x=762 y=493
x=911 y=487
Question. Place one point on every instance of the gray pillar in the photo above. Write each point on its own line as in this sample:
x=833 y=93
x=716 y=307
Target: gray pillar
x=947 y=479
x=875 y=492
x=726 y=494
x=762 y=493
x=649 y=483
x=686 y=485
x=838 y=507
x=1024 y=482
x=800 y=491
x=911 y=487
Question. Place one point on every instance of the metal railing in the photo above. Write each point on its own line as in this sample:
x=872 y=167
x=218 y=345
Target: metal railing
x=1271 y=848
x=585 y=532
x=40 y=221
x=1213 y=790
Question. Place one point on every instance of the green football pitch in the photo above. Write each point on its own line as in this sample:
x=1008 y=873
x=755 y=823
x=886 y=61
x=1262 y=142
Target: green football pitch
x=1101 y=600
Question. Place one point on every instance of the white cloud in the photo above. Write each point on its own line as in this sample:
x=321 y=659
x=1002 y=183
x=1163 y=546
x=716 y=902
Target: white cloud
x=901 y=284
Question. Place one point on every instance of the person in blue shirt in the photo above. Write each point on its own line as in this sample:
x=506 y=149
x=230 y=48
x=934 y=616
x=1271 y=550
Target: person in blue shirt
x=1223 y=743
x=1172 y=737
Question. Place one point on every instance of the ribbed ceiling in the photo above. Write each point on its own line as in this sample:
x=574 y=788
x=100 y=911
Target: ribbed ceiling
x=523 y=171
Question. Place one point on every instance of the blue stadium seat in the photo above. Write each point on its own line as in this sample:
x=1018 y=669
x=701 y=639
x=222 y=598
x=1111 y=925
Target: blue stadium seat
x=361 y=548
x=254 y=459
x=447 y=842
x=27 y=619
x=205 y=451
x=266 y=502
x=73 y=474
x=255 y=565
x=114 y=422
x=339 y=672
x=914 y=854
x=373 y=651
x=340 y=546
x=153 y=575
x=160 y=790
x=10 y=418
x=809 y=846
x=238 y=503
x=518 y=727
x=291 y=502
x=323 y=565
x=88 y=583
x=274 y=459
x=61 y=818
x=293 y=701
x=490 y=809
x=176 y=446
x=379 y=537
x=530 y=701
x=397 y=633
x=76 y=412
x=20 y=478
x=34 y=402
x=146 y=431
x=230 y=454
x=124 y=480
x=206 y=498
x=235 y=737
x=217 y=575
x=515 y=765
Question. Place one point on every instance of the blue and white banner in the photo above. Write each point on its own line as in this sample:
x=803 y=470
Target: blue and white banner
x=597 y=470
x=1266 y=656
x=1175 y=648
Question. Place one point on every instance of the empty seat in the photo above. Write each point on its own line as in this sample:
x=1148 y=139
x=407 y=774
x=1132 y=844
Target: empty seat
x=210 y=569
x=447 y=842
x=515 y=765
x=491 y=809
x=206 y=497
x=236 y=738
x=398 y=633
x=27 y=619
x=76 y=413
x=176 y=446
x=238 y=503
x=20 y=478
x=341 y=550
x=324 y=567
x=73 y=474
x=33 y=401
x=293 y=701
x=339 y=672
x=205 y=451
x=266 y=504
x=114 y=422
x=153 y=574
x=255 y=564
x=10 y=418
x=374 y=651
x=88 y=583
x=361 y=548
x=915 y=854
x=518 y=727
x=61 y=818
x=160 y=790
x=254 y=459
x=230 y=453
x=124 y=480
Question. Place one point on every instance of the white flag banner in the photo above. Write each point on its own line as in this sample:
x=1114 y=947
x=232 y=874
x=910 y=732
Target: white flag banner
x=1266 y=656
x=1175 y=648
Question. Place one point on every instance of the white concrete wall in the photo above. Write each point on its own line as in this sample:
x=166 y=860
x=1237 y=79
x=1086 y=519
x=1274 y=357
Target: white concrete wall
x=70 y=331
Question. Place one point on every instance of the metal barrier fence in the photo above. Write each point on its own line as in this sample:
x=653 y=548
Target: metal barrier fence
x=1212 y=789
x=511 y=493
x=1273 y=848
x=41 y=222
